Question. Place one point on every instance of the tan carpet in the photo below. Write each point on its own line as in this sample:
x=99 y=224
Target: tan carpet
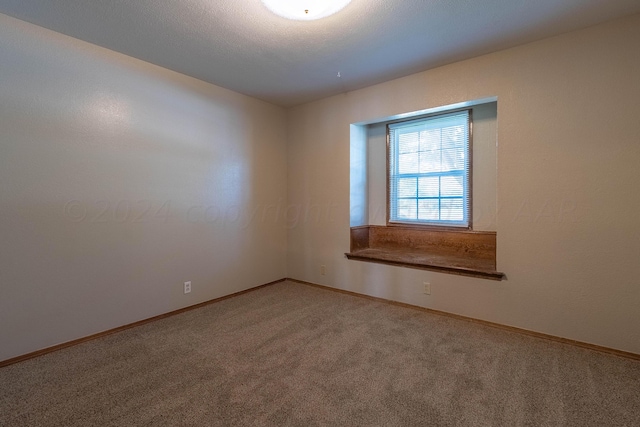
x=291 y=354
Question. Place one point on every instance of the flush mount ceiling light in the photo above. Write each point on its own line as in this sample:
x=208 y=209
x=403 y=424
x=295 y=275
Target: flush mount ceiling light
x=305 y=10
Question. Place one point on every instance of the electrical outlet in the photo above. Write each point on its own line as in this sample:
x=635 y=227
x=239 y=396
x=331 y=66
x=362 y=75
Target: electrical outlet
x=427 y=288
x=187 y=287
x=323 y=270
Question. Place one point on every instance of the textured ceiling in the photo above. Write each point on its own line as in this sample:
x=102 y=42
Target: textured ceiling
x=240 y=45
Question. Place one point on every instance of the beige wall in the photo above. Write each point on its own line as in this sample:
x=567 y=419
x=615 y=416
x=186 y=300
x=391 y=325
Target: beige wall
x=567 y=179
x=107 y=165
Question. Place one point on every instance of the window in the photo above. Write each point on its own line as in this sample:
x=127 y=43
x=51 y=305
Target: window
x=429 y=170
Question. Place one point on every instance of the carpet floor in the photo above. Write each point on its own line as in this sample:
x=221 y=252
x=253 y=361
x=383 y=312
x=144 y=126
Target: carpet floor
x=295 y=355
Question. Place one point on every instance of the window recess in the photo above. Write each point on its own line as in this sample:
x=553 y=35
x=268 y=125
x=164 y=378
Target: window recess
x=420 y=172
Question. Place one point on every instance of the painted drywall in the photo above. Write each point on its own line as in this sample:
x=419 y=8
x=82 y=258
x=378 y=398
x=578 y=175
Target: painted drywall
x=484 y=170
x=568 y=150
x=120 y=181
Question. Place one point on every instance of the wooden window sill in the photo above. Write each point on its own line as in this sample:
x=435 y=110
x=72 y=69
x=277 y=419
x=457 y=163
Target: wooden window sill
x=465 y=253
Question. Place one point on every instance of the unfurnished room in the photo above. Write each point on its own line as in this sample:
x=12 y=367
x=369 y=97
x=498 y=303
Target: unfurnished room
x=319 y=213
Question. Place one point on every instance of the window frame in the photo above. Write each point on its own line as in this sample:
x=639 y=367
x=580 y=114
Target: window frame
x=431 y=225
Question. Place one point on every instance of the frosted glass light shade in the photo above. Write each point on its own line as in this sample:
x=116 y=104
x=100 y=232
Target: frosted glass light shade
x=305 y=10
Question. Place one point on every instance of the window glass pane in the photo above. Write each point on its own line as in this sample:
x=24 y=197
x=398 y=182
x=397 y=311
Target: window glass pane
x=408 y=163
x=407 y=209
x=452 y=186
x=428 y=210
x=452 y=159
x=407 y=187
x=451 y=209
x=430 y=161
x=408 y=142
x=452 y=137
x=429 y=187
x=430 y=140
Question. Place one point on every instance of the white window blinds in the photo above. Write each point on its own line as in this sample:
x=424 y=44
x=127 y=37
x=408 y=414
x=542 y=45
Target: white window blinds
x=429 y=170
